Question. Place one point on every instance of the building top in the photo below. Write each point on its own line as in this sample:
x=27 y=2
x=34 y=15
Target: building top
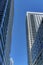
x=33 y=23
x=29 y=12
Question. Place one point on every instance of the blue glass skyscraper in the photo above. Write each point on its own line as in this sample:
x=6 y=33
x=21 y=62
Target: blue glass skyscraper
x=6 y=21
x=37 y=48
x=34 y=29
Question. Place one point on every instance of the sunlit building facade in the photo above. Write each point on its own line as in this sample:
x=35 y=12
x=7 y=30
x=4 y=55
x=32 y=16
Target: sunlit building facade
x=11 y=61
x=33 y=21
x=6 y=21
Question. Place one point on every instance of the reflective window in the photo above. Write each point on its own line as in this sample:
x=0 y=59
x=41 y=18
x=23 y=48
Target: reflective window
x=0 y=60
x=38 y=44
x=2 y=7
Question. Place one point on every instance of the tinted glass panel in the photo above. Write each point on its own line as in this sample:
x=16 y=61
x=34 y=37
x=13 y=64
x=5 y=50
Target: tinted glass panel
x=38 y=45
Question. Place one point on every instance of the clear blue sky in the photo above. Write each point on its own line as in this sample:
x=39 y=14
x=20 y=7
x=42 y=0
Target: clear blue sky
x=19 y=47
